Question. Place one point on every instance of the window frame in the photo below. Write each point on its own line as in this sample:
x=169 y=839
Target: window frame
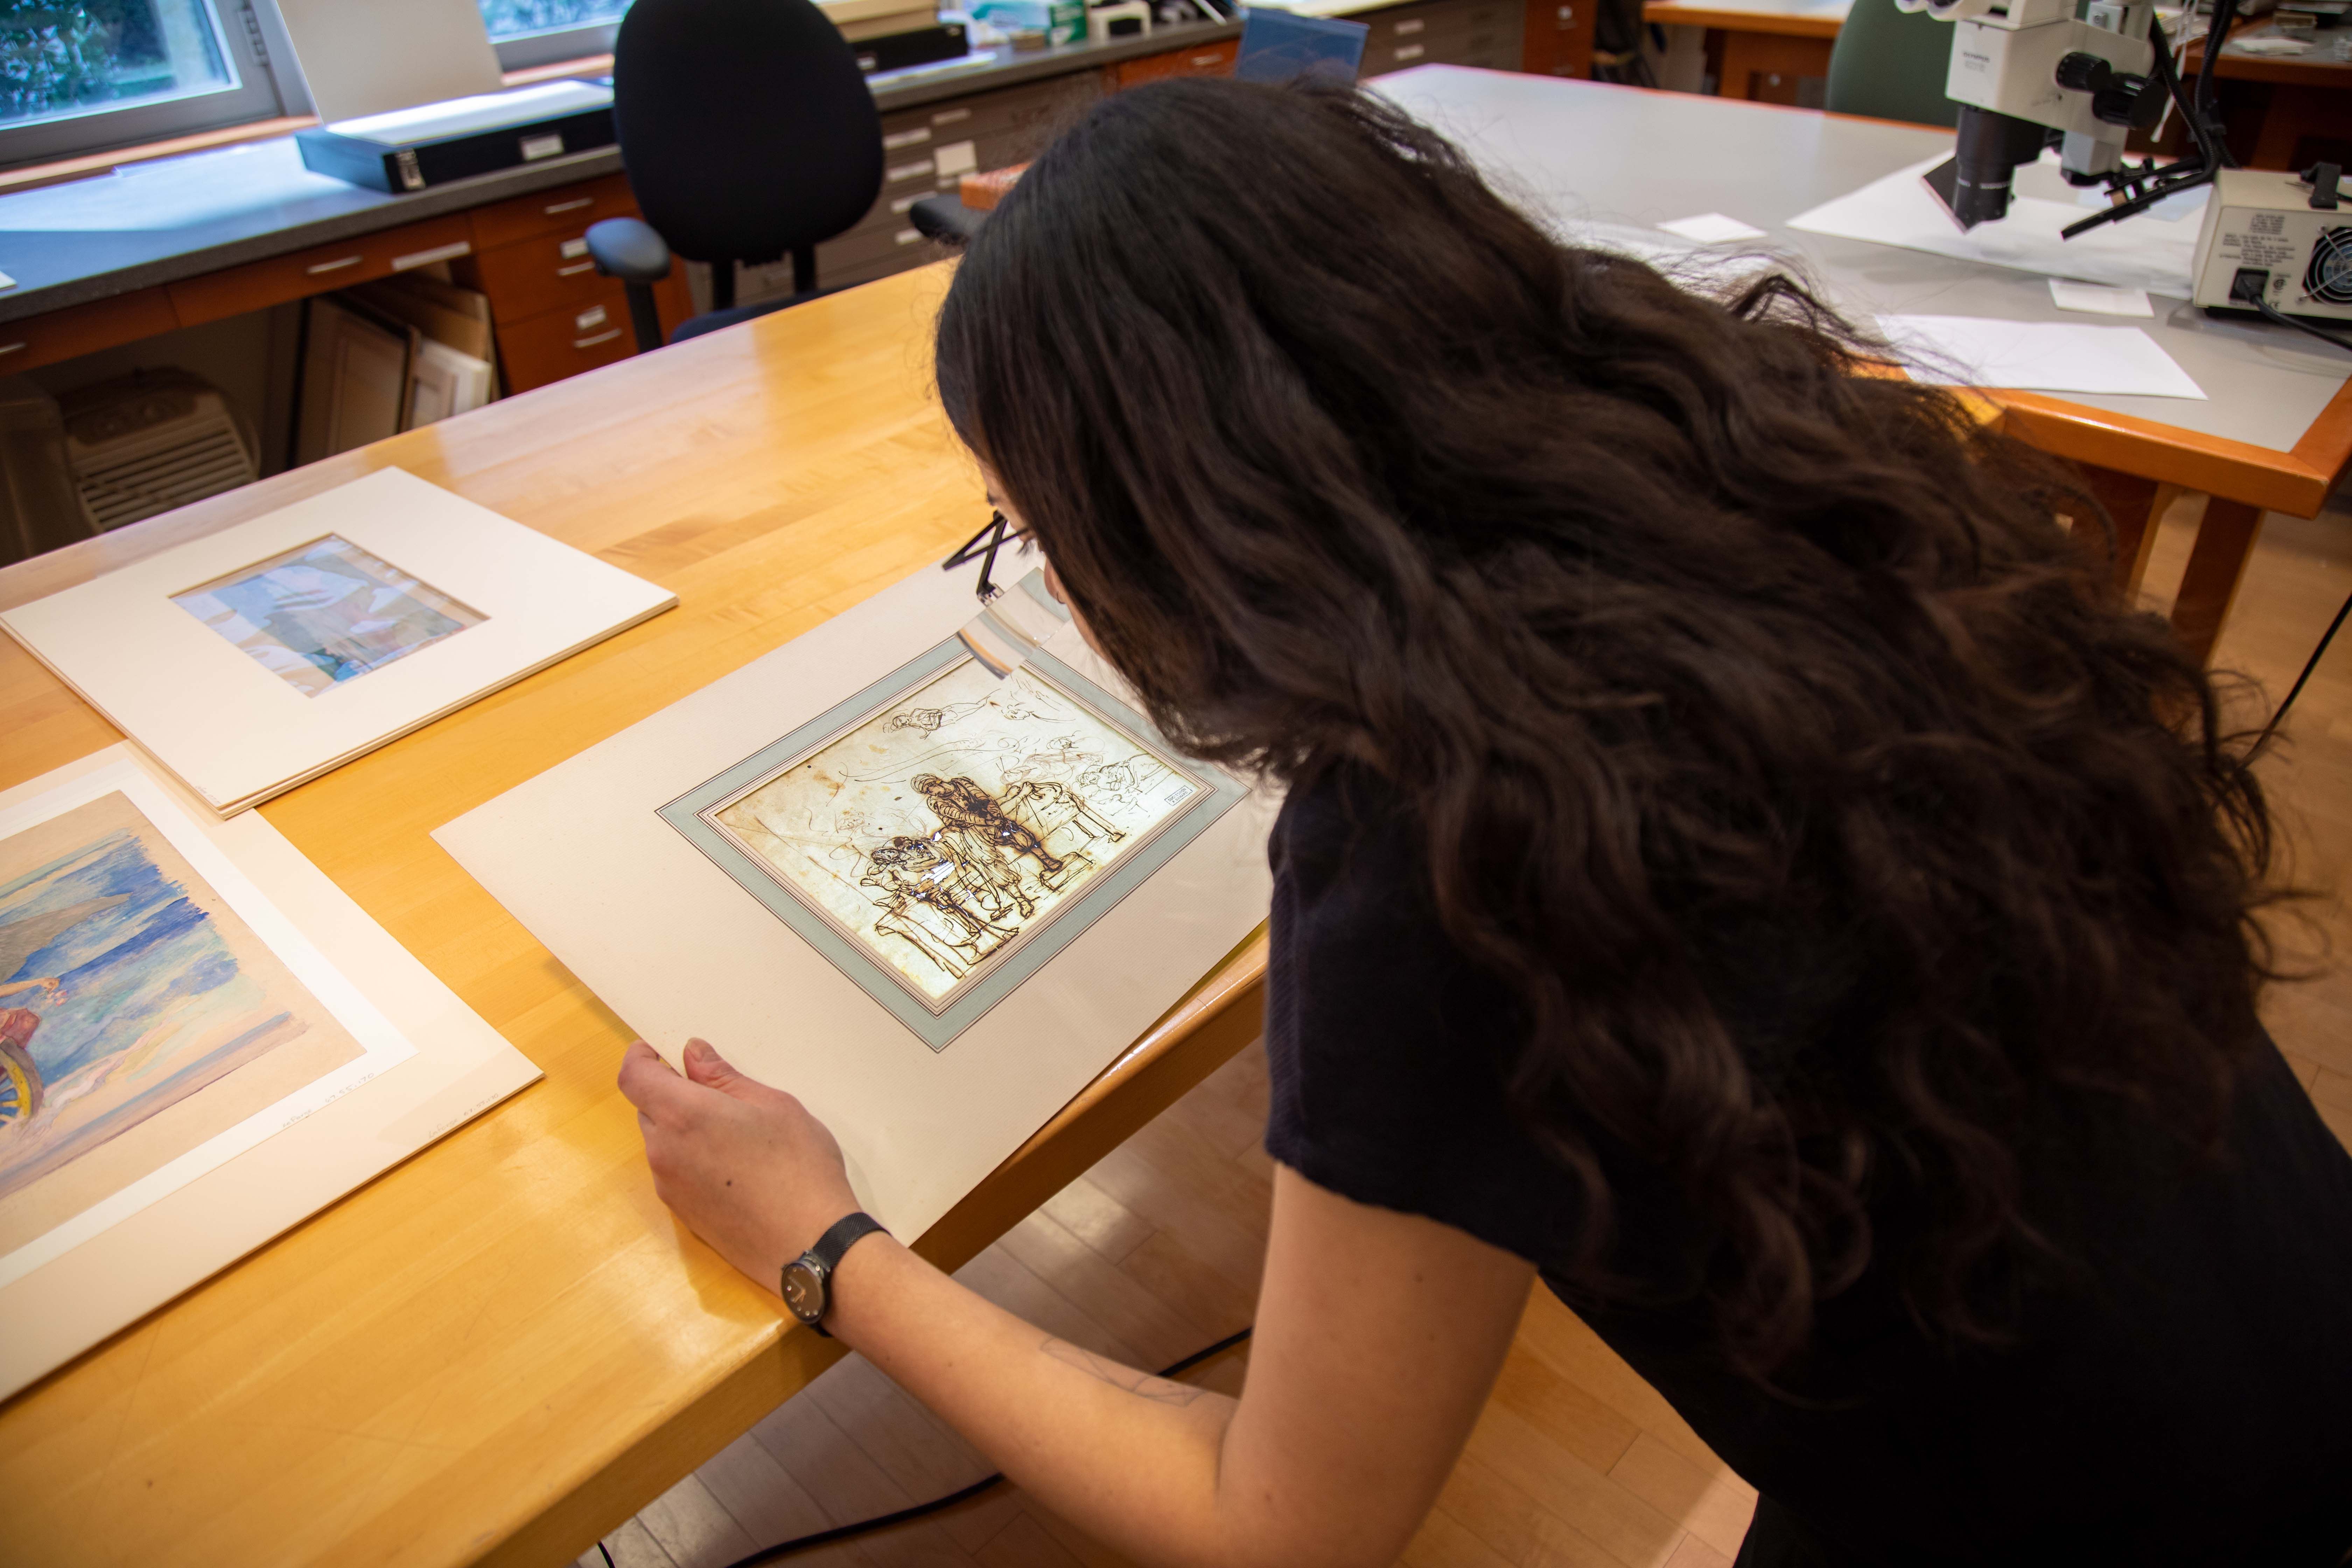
x=556 y=45
x=252 y=42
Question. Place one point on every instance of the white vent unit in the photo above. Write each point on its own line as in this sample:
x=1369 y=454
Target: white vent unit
x=150 y=442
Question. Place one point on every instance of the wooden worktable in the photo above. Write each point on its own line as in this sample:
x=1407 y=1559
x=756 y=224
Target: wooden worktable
x=500 y=1350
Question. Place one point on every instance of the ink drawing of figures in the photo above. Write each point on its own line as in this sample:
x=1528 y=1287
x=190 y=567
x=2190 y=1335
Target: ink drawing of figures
x=940 y=832
x=326 y=612
x=139 y=1016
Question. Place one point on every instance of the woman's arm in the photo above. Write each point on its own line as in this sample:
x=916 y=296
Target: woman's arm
x=1377 y=1337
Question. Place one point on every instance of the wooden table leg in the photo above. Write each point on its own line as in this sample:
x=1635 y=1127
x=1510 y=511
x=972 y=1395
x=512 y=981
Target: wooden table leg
x=2135 y=506
x=2225 y=543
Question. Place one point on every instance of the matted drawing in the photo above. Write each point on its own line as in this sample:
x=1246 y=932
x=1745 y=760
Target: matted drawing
x=326 y=612
x=204 y=1041
x=943 y=832
x=139 y=1016
x=260 y=655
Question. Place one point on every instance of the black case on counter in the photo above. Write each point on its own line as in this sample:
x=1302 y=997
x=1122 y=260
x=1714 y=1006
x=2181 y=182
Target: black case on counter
x=402 y=167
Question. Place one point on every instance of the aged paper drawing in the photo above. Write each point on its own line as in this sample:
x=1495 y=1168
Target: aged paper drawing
x=139 y=1016
x=325 y=612
x=943 y=832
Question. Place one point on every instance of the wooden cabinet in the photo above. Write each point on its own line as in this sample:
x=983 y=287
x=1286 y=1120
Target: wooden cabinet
x=258 y=285
x=1488 y=33
x=564 y=341
x=929 y=150
x=569 y=208
x=1208 y=60
x=555 y=315
x=84 y=328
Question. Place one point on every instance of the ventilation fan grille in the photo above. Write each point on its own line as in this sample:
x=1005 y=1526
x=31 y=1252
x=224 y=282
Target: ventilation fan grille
x=2328 y=278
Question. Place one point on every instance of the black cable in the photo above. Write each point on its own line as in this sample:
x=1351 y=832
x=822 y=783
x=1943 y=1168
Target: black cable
x=2271 y=313
x=607 y=1552
x=2308 y=666
x=963 y=1494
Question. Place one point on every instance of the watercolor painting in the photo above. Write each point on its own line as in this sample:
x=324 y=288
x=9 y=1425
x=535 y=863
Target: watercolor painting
x=326 y=612
x=127 y=989
x=943 y=832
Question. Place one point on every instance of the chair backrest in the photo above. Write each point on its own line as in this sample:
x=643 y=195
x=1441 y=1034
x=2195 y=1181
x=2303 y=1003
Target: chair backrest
x=746 y=128
x=1891 y=65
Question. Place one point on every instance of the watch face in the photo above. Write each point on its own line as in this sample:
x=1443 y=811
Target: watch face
x=803 y=1292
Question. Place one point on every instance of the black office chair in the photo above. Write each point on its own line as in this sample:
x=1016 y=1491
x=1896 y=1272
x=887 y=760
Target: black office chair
x=748 y=134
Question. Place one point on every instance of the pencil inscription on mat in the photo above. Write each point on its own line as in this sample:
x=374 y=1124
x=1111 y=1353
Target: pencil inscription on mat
x=326 y=612
x=139 y=1016
x=945 y=830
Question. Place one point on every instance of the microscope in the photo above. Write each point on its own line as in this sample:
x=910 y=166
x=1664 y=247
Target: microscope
x=2030 y=74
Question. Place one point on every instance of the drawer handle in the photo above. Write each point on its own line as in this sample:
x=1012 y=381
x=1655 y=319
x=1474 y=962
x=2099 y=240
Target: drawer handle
x=1401 y=28
x=1203 y=62
x=11 y=348
x=1411 y=52
x=572 y=205
x=575 y=269
x=319 y=266
x=599 y=338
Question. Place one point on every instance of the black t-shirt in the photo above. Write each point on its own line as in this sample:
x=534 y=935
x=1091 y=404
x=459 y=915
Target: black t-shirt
x=2186 y=1399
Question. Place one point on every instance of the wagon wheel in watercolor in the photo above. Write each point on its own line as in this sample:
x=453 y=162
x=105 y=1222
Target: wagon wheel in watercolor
x=20 y=1085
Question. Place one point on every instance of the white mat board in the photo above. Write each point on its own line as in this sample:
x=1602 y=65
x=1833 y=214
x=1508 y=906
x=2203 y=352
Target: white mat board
x=678 y=949
x=238 y=731
x=432 y=1064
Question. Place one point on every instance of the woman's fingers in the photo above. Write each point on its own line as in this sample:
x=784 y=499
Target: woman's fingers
x=649 y=1082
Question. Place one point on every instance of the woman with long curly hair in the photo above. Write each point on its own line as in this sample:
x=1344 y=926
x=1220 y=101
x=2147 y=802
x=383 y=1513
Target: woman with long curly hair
x=1742 y=861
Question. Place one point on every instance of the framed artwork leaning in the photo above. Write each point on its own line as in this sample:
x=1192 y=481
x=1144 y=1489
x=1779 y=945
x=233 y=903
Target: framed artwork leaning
x=929 y=871
x=268 y=653
x=201 y=1041
x=945 y=832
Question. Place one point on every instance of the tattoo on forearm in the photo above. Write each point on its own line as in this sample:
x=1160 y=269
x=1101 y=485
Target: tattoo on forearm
x=1141 y=1383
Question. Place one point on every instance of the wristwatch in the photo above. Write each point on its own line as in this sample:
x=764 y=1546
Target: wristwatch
x=807 y=1278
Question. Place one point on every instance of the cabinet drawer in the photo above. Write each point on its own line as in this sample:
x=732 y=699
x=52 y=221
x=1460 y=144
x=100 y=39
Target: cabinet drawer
x=1208 y=60
x=533 y=275
x=564 y=343
x=259 y=285
x=84 y=328
x=567 y=209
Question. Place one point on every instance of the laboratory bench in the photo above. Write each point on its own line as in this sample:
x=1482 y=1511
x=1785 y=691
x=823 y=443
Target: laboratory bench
x=153 y=246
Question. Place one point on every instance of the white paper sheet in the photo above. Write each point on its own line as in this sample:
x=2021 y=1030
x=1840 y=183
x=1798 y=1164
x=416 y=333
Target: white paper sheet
x=1900 y=210
x=1712 y=229
x=2040 y=356
x=2099 y=300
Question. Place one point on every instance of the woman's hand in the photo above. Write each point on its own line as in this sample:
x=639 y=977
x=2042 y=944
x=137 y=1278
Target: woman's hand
x=745 y=1165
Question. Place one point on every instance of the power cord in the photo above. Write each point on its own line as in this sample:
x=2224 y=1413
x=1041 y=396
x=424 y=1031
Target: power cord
x=963 y=1494
x=2271 y=313
x=2309 y=664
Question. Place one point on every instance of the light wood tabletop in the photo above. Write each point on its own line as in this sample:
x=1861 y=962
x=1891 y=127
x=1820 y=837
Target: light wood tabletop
x=503 y=1348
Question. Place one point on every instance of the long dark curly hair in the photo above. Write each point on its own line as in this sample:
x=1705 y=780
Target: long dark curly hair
x=1668 y=613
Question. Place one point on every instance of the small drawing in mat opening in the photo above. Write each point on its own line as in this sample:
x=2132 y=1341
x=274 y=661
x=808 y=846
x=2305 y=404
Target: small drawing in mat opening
x=326 y=612
x=944 y=831
x=139 y=1016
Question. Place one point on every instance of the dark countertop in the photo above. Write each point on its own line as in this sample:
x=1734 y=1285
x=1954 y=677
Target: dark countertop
x=170 y=218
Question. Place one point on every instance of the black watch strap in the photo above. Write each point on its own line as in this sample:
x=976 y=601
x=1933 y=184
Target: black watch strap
x=849 y=1227
x=825 y=1257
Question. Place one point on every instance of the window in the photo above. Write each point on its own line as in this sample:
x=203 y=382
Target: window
x=540 y=32
x=77 y=76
